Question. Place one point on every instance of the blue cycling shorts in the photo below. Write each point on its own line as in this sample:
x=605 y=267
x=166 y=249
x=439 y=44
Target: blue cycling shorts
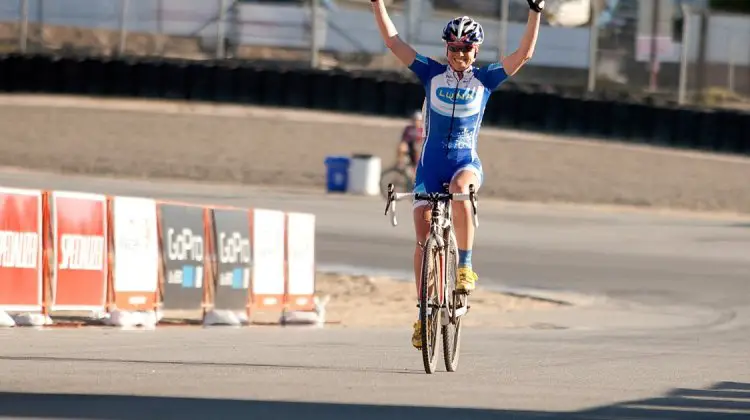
x=432 y=174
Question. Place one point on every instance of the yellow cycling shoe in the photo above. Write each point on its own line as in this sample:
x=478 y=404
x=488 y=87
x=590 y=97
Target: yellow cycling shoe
x=466 y=279
x=416 y=337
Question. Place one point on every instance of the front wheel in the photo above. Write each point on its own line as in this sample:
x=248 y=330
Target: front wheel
x=429 y=305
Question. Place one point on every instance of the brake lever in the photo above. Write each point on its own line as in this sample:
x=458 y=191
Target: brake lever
x=473 y=199
x=391 y=205
x=389 y=200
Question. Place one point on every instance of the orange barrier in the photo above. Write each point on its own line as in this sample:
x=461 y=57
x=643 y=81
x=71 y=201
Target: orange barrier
x=62 y=250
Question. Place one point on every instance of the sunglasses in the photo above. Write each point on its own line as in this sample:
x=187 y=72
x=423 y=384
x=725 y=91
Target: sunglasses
x=460 y=47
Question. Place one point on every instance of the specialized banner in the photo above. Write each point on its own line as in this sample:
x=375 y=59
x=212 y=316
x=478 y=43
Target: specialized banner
x=268 y=258
x=136 y=247
x=234 y=258
x=81 y=250
x=20 y=249
x=300 y=246
x=183 y=251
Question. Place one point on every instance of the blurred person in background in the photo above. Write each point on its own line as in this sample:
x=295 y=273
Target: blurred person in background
x=456 y=97
x=409 y=147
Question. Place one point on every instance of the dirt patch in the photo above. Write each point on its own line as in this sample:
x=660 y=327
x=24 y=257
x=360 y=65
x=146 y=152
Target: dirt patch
x=285 y=147
x=363 y=301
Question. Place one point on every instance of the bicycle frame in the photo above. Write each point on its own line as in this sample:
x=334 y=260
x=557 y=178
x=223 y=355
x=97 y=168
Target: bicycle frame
x=441 y=230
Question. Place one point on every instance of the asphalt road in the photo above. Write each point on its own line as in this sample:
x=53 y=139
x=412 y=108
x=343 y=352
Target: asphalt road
x=673 y=344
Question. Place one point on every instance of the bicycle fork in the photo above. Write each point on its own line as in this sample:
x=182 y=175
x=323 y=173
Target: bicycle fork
x=460 y=306
x=440 y=229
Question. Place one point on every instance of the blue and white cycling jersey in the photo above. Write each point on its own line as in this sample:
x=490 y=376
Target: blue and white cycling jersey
x=452 y=117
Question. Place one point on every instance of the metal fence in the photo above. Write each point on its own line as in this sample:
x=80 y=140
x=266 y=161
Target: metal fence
x=177 y=28
x=613 y=37
x=674 y=49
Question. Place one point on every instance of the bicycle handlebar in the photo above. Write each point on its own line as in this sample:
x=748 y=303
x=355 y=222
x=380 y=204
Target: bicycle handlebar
x=432 y=197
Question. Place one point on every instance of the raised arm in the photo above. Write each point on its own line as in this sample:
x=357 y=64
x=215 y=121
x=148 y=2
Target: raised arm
x=519 y=57
x=403 y=51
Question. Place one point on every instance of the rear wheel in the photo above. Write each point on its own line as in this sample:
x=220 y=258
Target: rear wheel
x=429 y=309
x=452 y=331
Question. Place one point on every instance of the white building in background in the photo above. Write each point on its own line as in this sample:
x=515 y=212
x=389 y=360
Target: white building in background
x=568 y=13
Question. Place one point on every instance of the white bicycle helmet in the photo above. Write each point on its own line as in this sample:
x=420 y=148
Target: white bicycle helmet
x=463 y=29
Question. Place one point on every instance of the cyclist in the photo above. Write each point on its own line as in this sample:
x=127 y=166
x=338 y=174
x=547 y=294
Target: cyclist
x=411 y=141
x=456 y=96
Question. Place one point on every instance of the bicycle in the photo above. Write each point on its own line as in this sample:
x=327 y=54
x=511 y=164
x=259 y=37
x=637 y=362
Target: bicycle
x=401 y=173
x=436 y=268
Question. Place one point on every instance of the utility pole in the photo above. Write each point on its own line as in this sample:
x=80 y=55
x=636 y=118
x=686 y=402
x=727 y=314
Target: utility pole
x=593 y=43
x=314 y=47
x=654 y=31
x=123 y=28
x=24 y=25
x=686 y=27
x=502 y=41
x=220 y=31
x=702 y=51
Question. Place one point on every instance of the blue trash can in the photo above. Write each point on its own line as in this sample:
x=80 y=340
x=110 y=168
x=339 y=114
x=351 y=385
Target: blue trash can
x=337 y=176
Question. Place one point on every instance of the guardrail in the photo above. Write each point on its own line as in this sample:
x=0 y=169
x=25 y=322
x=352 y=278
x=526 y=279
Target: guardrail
x=373 y=93
x=111 y=254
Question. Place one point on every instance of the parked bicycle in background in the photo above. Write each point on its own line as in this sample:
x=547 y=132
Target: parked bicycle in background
x=401 y=173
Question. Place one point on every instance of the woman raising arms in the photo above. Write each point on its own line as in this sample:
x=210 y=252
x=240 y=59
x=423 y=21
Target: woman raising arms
x=456 y=95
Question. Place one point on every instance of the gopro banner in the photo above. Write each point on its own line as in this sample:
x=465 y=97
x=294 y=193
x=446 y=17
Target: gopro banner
x=233 y=256
x=183 y=249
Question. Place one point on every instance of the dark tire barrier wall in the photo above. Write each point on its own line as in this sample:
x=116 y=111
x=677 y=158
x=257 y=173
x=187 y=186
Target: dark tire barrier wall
x=371 y=93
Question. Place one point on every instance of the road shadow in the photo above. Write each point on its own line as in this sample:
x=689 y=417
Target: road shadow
x=275 y=366
x=725 y=400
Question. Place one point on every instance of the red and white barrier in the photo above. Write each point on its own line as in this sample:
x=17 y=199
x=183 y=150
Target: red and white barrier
x=300 y=248
x=136 y=253
x=63 y=250
x=268 y=286
x=21 y=268
x=81 y=250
